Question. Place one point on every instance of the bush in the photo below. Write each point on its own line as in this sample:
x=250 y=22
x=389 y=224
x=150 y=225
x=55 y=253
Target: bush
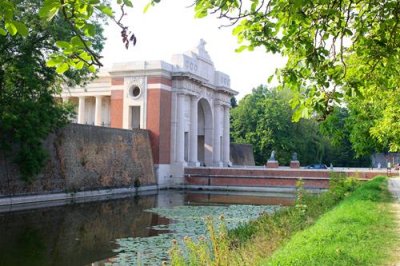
x=341 y=186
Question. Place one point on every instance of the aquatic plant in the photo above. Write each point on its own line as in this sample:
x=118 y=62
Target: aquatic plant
x=187 y=225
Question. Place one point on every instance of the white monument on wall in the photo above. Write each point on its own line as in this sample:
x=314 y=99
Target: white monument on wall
x=183 y=104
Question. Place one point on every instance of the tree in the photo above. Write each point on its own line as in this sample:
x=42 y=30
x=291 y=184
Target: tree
x=263 y=119
x=344 y=135
x=28 y=109
x=233 y=102
x=79 y=16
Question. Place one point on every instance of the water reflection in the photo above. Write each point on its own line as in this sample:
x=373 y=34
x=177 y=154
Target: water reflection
x=84 y=233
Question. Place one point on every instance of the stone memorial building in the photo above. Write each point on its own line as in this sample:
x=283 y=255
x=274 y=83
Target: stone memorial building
x=183 y=104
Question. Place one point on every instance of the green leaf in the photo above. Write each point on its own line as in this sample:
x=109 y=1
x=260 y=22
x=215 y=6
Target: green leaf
x=62 y=68
x=49 y=9
x=128 y=3
x=90 y=30
x=92 y=69
x=85 y=56
x=77 y=42
x=254 y=5
x=3 y=32
x=79 y=65
x=11 y=28
x=22 y=29
x=241 y=48
x=106 y=10
x=238 y=29
x=146 y=7
x=296 y=115
x=63 y=44
x=51 y=62
x=200 y=11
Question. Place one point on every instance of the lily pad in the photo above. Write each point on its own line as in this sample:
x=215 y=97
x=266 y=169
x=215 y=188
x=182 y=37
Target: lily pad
x=185 y=221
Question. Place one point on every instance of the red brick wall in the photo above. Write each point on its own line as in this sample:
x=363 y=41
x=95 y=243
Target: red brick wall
x=117 y=81
x=159 y=80
x=266 y=177
x=165 y=127
x=117 y=104
x=256 y=182
x=159 y=120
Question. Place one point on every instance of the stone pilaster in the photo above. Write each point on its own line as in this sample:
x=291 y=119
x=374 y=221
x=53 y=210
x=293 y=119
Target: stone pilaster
x=193 y=131
x=81 y=110
x=226 y=137
x=97 y=111
x=180 y=134
x=217 y=135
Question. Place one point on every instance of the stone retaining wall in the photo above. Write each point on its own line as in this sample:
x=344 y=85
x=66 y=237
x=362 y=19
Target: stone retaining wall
x=83 y=157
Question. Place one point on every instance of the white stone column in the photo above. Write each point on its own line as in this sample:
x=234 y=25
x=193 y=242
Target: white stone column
x=193 y=132
x=98 y=111
x=180 y=134
x=81 y=110
x=217 y=135
x=226 y=137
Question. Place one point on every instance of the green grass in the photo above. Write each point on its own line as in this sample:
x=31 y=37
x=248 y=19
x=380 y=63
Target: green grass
x=359 y=231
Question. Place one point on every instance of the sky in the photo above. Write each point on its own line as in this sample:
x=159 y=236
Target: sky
x=170 y=28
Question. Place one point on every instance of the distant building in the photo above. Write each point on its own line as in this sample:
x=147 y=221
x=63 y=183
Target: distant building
x=184 y=105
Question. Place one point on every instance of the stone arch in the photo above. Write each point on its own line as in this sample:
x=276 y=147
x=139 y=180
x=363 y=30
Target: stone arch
x=205 y=131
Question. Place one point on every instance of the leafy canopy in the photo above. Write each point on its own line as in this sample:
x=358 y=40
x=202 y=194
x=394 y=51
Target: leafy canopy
x=334 y=48
x=80 y=17
x=28 y=109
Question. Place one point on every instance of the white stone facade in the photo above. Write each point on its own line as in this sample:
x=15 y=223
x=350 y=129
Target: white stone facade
x=184 y=104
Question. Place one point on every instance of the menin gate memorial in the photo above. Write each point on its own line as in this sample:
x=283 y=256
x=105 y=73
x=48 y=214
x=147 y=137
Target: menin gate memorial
x=184 y=104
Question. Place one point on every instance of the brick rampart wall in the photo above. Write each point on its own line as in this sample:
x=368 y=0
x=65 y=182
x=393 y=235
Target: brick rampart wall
x=267 y=177
x=83 y=157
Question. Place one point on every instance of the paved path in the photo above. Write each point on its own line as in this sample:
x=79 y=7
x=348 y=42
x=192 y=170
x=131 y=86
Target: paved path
x=394 y=188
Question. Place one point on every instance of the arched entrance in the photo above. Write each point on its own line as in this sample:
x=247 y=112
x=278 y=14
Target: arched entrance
x=204 y=133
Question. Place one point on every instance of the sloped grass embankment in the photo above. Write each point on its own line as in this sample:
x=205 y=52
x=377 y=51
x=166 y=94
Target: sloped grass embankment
x=348 y=225
x=359 y=231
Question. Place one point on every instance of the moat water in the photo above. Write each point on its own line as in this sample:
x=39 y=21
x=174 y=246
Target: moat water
x=124 y=231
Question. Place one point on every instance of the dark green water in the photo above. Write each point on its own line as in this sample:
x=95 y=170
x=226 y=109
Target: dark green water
x=108 y=232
